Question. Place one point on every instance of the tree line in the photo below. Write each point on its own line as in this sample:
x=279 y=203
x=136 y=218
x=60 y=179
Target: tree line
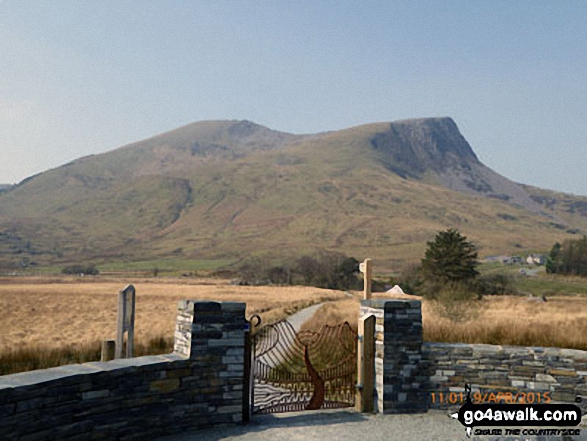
x=570 y=257
x=322 y=270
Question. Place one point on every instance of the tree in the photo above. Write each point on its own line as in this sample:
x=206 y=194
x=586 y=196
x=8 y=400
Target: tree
x=553 y=262
x=450 y=257
x=329 y=270
x=348 y=269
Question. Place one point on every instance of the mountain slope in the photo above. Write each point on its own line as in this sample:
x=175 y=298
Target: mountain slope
x=227 y=189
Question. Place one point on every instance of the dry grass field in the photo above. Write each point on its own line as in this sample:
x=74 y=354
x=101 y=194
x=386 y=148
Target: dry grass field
x=506 y=320
x=70 y=315
x=503 y=320
x=59 y=320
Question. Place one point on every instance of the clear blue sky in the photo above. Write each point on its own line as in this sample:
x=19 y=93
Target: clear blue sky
x=80 y=77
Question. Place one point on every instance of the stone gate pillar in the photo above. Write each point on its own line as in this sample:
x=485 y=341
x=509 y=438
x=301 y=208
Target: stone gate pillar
x=212 y=336
x=400 y=372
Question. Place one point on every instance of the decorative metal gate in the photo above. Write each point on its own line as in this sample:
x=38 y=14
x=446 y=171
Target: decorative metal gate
x=303 y=370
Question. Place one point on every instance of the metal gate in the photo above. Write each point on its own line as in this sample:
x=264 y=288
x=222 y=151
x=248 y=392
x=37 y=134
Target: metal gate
x=303 y=370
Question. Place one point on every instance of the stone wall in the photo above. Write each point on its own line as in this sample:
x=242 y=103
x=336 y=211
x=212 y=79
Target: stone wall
x=400 y=375
x=411 y=376
x=199 y=385
x=534 y=374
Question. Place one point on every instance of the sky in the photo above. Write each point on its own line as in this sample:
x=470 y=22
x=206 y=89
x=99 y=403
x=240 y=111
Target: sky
x=83 y=77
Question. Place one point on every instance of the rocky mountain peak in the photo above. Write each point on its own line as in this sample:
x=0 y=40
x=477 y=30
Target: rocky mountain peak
x=412 y=147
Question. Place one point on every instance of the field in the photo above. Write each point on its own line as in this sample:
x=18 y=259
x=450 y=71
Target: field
x=66 y=318
x=49 y=321
x=502 y=320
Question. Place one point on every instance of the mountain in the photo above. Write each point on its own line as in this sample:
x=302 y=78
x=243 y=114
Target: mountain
x=231 y=189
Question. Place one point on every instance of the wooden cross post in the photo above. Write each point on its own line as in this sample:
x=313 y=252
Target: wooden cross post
x=126 y=321
x=367 y=271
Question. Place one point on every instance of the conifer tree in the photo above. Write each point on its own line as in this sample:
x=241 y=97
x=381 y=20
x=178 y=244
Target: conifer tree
x=553 y=262
x=450 y=257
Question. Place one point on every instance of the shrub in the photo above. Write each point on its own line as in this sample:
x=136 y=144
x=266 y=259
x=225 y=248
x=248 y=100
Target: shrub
x=457 y=302
x=89 y=270
x=496 y=284
x=412 y=281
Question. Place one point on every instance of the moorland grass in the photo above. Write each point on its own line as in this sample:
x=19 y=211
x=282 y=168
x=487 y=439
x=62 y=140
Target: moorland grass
x=47 y=322
x=39 y=357
x=498 y=320
x=51 y=321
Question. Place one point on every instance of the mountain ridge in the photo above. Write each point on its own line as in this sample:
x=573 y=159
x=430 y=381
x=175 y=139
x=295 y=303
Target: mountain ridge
x=229 y=188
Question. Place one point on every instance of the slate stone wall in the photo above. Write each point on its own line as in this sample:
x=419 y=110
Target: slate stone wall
x=411 y=376
x=530 y=374
x=199 y=385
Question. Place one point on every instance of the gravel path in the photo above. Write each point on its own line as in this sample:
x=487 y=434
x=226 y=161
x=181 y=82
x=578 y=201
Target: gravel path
x=334 y=425
x=300 y=317
x=343 y=425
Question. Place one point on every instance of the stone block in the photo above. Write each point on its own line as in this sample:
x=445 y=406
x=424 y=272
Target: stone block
x=563 y=372
x=538 y=386
x=95 y=394
x=164 y=386
x=229 y=409
x=227 y=343
x=178 y=373
x=567 y=397
x=235 y=395
x=544 y=378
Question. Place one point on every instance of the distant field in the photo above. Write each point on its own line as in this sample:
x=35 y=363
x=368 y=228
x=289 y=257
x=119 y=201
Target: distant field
x=538 y=282
x=167 y=265
x=40 y=314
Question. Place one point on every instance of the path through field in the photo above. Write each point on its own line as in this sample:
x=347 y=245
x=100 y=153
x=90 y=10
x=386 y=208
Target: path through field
x=300 y=317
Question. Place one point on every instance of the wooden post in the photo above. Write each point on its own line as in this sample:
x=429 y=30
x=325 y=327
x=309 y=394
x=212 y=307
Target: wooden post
x=367 y=271
x=108 y=348
x=130 y=321
x=366 y=364
x=125 y=322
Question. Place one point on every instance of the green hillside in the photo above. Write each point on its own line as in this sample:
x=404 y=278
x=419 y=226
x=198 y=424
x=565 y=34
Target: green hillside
x=225 y=190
